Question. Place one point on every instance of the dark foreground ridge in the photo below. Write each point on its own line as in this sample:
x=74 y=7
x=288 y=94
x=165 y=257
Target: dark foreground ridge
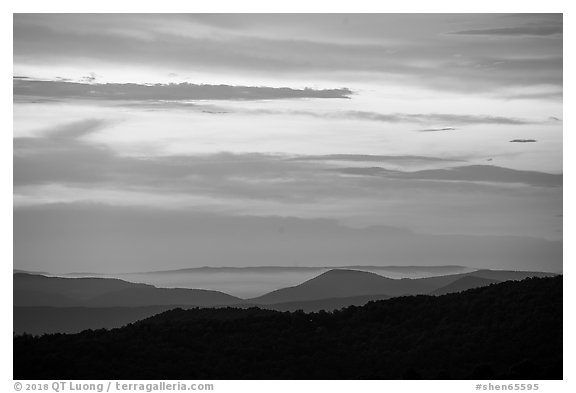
x=511 y=330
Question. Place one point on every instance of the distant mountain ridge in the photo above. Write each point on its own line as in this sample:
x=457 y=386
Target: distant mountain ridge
x=253 y=281
x=39 y=290
x=36 y=290
x=437 y=269
x=53 y=304
x=348 y=283
x=430 y=269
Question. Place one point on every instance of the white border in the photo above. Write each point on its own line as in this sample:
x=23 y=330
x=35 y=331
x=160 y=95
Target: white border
x=259 y=6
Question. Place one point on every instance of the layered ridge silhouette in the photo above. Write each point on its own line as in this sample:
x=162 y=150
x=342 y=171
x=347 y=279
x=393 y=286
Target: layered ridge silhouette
x=35 y=290
x=510 y=330
x=349 y=283
x=68 y=305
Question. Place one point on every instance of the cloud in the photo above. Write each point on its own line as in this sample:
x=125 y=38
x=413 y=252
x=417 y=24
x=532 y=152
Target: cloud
x=90 y=78
x=78 y=129
x=489 y=173
x=375 y=158
x=554 y=95
x=177 y=96
x=445 y=118
x=65 y=164
x=470 y=173
x=553 y=30
x=62 y=156
x=418 y=118
x=157 y=92
x=418 y=56
x=438 y=129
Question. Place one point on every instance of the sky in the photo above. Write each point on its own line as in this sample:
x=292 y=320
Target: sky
x=148 y=142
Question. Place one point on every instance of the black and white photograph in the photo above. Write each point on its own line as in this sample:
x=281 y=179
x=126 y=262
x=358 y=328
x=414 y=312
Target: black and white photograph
x=288 y=196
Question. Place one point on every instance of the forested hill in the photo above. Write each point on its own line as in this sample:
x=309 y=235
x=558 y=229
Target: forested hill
x=511 y=330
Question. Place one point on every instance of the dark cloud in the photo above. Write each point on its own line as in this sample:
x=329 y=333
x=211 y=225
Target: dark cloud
x=90 y=78
x=181 y=91
x=425 y=118
x=438 y=129
x=78 y=129
x=61 y=156
x=555 y=95
x=420 y=118
x=470 y=173
x=554 y=30
x=174 y=96
x=376 y=158
x=443 y=118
